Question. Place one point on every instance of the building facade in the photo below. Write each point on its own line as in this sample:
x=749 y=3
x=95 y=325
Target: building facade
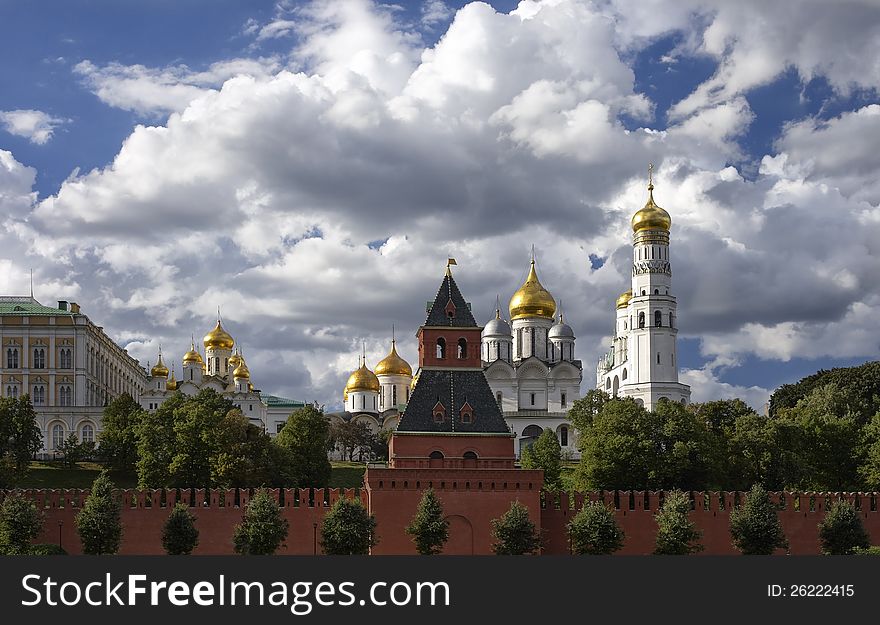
x=642 y=360
x=531 y=367
x=67 y=365
x=224 y=370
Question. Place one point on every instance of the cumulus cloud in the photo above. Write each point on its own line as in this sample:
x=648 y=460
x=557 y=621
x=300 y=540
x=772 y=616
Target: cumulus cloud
x=316 y=203
x=35 y=126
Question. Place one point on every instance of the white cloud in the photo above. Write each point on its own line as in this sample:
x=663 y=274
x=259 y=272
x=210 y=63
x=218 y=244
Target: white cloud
x=36 y=126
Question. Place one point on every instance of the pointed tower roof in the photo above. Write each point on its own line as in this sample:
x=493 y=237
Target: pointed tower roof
x=449 y=307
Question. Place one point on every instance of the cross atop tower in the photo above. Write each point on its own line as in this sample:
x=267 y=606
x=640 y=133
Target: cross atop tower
x=650 y=176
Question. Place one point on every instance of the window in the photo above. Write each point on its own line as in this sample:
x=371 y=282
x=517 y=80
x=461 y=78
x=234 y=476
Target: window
x=279 y=425
x=532 y=398
x=643 y=291
x=624 y=374
x=671 y=325
x=441 y=347
x=563 y=400
x=407 y=394
x=608 y=384
x=39 y=358
x=363 y=402
x=641 y=320
x=498 y=398
x=470 y=459
x=563 y=436
x=88 y=433
x=658 y=358
x=64 y=395
x=462 y=348
x=226 y=363
x=12 y=390
x=439 y=412
x=250 y=407
x=39 y=395
x=66 y=358
x=393 y=394
x=656 y=291
x=12 y=358
x=658 y=318
x=466 y=413
x=57 y=435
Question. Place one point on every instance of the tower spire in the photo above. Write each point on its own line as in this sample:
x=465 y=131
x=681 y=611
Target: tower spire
x=533 y=254
x=32 y=283
x=650 y=184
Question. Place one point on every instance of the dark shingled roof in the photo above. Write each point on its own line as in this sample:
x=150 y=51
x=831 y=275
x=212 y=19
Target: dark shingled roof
x=438 y=316
x=452 y=388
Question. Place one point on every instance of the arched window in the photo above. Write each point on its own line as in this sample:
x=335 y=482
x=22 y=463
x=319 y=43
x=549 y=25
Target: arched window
x=643 y=291
x=435 y=459
x=57 y=435
x=641 y=320
x=658 y=358
x=671 y=320
x=624 y=374
x=39 y=358
x=393 y=395
x=439 y=412
x=12 y=358
x=498 y=398
x=88 y=433
x=441 y=347
x=608 y=384
x=65 y=358
x=658 y=318
x=563 y=436
x=656 y=291
x=363 y=402
x=563 y=400
x=470 y=460
x=462 y=348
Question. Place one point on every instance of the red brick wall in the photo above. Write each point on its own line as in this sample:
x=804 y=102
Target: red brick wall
x=428 y=347
x=470 y=498
x=711 y=514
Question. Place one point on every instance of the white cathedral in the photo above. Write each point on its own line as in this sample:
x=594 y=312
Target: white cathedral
x=642 y=360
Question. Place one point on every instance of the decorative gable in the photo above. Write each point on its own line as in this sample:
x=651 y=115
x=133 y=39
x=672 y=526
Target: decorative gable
x=439 y=412
x=466 y=413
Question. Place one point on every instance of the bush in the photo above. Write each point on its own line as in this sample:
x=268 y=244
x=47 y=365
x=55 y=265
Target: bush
x=348 y=529
x=841 y=532
x=514 y=532
x=754 y=526
x=676 y=533
x=429 y=529
x=263 y=529
x=867 y=551
x=99 y=523
x=594 y=531
x=46 y=549
x=20 y=522
x=179 y=535
x=545 y=453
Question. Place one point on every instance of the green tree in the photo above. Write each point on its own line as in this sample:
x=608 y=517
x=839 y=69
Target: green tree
x=348 y=529
x=99 y=522
x=676 y=533
x=305 y=436
x=179 y=534
x=860 y=385
x=585 y=409
x=263 y=529
x=755 y=526
x=841 y=531
x=20 y=436
x=514 y=533
x=20 y=523
x=545 y=453
x=594 y=531
x=429 y=529
x=869 y=469
x=73 y=450
x=118 y=438
x=687 y=448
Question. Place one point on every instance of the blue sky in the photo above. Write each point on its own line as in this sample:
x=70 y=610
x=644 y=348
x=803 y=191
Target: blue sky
x=308 y=165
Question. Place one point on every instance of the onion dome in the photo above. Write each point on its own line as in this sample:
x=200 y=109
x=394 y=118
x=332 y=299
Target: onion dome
x=393 y=364
x=497 y=326
x=192 y=356
x=561 y=330
x=623 y=300
x=362 y=379
x=241 y=371
x=218 y=338
x=532 y=299
x=651 y=217
x=171 y=385
x=235 y=360
x=159 y=370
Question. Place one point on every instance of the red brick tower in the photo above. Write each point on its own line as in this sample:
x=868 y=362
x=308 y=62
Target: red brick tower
x=451 y=437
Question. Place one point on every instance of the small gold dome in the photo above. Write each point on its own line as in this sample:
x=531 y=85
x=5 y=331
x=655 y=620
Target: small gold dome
x=623 y=300
x=532 y=299
x=651 y=217
x=159 y=370
x=241 y=371
x=235 y=360
x=192 y=355
x=393 y=364
x=171 y=385
x=362 y=380
x=218 y=338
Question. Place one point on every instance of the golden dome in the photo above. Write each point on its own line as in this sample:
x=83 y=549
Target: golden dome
x=362 y=380
x=651 y=217
x=241 y=371
x=235 y=360
x=532 y=299
x=171 y=385
x=218 y=338
x=393 y=364
x=192 y=355
x=623 y=300
x=159 y=370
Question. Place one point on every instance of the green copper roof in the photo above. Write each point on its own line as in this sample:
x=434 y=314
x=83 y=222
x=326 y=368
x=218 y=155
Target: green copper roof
x=27 y=306
x=282 y=402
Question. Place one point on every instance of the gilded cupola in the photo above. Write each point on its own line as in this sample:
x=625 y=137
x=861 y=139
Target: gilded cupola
x=218 y=338
x=241 y=371
x=362 y=379
x=651 y=216
x=159 y=370
x=235 y=360
x=192 y=356
x=623 y=299
x=393 y=364
x=532 y=299
x=171 y=385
